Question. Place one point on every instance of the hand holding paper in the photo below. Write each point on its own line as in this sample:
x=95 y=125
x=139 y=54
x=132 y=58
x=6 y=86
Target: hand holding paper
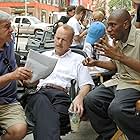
x=41 y=65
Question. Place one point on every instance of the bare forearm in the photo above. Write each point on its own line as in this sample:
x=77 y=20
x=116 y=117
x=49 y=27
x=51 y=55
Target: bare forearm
x=84 y=90
x=5 y=79
x=106 y=65
x=80 y=36
x=83 y=34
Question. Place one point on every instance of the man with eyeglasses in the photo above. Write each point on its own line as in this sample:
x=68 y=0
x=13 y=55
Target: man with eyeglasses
x=12 y=117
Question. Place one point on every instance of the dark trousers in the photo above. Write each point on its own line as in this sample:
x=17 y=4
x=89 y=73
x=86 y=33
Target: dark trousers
x=45 y=108
x=107 y=108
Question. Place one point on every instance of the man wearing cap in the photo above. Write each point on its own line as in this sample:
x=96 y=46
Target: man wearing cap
x=94 y=33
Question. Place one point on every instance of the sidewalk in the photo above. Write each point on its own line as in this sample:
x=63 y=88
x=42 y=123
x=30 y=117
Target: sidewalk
x=85 y=133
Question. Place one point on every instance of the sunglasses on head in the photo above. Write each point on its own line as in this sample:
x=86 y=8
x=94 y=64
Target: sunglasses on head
x=6 y=62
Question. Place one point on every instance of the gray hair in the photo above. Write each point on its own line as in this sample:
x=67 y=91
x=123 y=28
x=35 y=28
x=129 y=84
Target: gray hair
x=4 y=16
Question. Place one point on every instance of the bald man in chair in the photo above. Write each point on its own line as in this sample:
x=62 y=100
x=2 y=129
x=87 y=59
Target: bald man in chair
x=112 y=104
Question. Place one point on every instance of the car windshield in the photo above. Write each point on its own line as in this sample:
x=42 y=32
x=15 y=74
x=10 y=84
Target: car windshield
x=35 y=20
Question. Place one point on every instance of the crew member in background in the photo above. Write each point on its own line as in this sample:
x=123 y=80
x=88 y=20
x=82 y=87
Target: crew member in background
x=64 y=19
x=80 y=13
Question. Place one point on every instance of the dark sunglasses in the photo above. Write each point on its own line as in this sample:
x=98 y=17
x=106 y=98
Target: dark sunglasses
x=6 y=62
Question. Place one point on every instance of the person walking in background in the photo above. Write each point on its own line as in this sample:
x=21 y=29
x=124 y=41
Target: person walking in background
x=112 y=105
x=12 y=116
x=80 y=13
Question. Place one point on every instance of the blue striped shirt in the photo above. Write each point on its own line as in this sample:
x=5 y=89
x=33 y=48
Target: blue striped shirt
x=8 y=93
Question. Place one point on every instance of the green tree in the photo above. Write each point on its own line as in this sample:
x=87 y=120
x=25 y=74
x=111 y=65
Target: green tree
x=113 y=4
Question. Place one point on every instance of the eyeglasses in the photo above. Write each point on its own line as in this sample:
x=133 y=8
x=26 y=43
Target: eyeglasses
x=6 y=62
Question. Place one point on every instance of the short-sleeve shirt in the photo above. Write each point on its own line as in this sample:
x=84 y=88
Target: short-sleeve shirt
x=7 y=93
x=126 y=74
x=69 y=66
x=73 y=22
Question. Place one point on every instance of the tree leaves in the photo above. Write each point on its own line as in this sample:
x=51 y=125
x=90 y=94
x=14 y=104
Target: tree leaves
x=114 y=4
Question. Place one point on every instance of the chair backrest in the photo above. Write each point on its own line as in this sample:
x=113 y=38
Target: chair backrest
x=47 y=35
x=79 y=51
x=18 y=58
x=39 y=36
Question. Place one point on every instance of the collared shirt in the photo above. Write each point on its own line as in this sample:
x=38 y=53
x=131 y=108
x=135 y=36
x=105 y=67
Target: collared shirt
x=69 y=66
x=124 y=73
x=8 y=93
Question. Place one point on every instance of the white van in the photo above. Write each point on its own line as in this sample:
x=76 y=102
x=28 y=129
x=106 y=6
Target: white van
x=29 y=25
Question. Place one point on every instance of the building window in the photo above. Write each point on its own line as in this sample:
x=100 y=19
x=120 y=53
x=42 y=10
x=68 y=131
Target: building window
x=56 y=2
x=49 y=2
x=44 y=1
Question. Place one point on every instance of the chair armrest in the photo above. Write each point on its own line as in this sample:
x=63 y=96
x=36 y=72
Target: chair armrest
x=72 y=91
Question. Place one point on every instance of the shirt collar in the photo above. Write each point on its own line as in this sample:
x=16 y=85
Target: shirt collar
x=131 y=38
x=54 y=54
x=5 y=46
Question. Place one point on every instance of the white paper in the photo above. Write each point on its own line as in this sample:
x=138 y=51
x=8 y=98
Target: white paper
x=41 y=65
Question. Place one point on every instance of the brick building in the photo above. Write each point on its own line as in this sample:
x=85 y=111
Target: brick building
x=42 y=9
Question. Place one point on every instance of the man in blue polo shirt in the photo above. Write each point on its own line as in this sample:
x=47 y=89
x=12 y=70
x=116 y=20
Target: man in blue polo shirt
x=12 y=117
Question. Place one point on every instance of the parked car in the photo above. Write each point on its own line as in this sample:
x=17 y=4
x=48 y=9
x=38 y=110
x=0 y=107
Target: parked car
x=29 y=25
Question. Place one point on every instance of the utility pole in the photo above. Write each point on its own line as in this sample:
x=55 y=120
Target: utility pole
x=25 y=7
x=122 y=3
